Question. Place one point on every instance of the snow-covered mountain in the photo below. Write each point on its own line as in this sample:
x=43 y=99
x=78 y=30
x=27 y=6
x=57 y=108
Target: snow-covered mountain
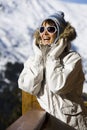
x=19 y=19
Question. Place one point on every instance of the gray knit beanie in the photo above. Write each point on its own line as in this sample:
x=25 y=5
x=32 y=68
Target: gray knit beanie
x=58 y=19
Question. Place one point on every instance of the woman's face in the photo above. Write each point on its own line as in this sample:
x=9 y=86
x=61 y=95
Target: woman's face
x=47 y=37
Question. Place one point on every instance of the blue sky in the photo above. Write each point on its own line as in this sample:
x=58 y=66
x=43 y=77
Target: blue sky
x=77 y=1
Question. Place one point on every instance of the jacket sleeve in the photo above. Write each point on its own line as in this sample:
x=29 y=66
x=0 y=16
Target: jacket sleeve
x=31 y=77
x=62 y=76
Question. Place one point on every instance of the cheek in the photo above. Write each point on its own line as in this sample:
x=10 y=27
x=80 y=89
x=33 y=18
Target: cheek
x=53 y=37
x=41 y=36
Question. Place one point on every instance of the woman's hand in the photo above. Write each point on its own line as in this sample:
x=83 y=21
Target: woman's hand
x=59 y=48
x=37 y=51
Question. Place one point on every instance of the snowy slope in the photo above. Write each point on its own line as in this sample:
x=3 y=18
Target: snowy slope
x=19 y=19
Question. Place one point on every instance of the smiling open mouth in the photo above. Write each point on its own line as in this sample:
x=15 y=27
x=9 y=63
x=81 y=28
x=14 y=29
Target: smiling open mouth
x=46 y=38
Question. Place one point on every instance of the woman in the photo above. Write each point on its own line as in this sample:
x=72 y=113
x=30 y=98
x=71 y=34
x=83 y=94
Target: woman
x=54 y=75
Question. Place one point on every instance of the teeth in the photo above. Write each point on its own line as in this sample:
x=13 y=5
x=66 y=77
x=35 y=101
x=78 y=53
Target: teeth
x=47 y=39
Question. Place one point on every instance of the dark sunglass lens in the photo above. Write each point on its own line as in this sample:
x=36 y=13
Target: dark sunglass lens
x=51 y=29
x=41 y=29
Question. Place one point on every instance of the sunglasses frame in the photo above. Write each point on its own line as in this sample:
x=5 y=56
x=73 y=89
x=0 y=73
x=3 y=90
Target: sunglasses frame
x=46 y=28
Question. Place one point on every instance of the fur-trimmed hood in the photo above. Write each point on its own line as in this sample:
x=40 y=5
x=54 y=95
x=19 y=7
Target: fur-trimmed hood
x=69 y=33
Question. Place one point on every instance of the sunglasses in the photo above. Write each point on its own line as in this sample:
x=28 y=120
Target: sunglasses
x=49 y=29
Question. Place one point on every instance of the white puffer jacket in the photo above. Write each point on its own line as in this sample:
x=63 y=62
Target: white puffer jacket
x=57 y=85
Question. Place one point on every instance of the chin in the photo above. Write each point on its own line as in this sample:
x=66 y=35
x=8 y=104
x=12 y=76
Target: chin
x=47 y=43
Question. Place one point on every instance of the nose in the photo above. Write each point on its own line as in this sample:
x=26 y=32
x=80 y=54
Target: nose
x=45 y=32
